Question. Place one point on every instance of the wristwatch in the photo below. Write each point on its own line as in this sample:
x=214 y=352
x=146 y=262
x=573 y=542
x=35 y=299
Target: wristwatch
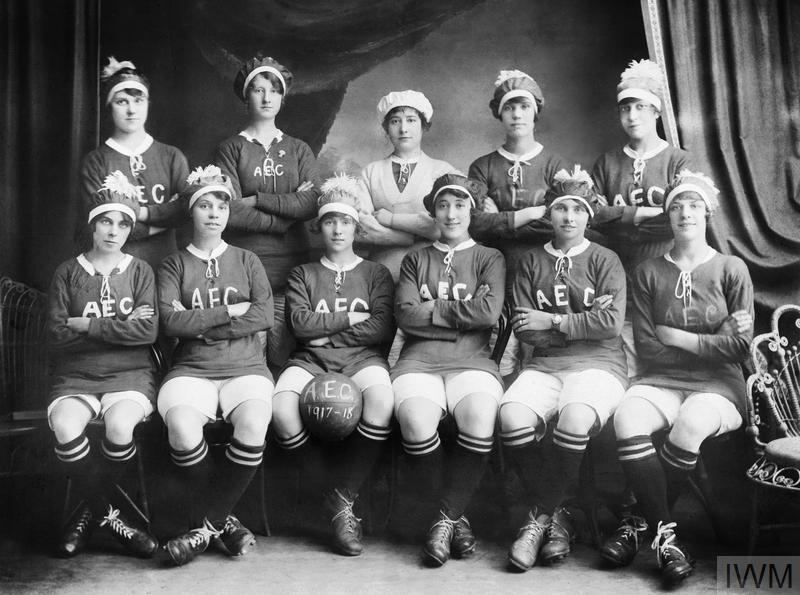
x=556 y=321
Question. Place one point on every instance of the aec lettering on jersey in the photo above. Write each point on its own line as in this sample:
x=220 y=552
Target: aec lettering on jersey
x=268 y=169
x=340 y=305
x=156 y=194
x=215 y=296
x=561 y=297
x=652 y=197
x=444 y=291
x=693 y=317
x=107 y=308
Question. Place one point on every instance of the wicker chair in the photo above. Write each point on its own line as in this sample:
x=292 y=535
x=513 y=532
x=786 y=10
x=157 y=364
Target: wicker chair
x=773 y=412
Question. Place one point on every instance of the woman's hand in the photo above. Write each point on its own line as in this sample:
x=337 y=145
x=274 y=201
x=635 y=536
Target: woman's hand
x=319 y=342
x=535 y=213
x=142 y=312
x=482 y=291
x=249 y=201
x=528 y=319
x=305 y=186
x=356 y=317
x=384 y=217
x=602 y=302
x=736 y=323
x=236 y=310
x=79 y=324
x=489 y=206
x=177 y=306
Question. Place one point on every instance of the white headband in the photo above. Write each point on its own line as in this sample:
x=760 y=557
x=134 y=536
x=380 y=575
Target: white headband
x=259 y=70
x=205 y=190
x=687 y=187
x=338 y=207
x=452 y=187
x=634 y=93
x=517 y=93
x=111 y=206
x=574 y=197
x=129 y=84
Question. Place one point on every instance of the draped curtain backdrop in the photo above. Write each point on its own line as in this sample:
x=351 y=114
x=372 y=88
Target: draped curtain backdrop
x=734 y=73
x=48 y=92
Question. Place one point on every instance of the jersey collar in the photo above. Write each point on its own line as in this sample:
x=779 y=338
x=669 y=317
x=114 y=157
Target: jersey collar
x=651 y=153
x=709 y=255
x=215 y=253
x=146 y=144
x=276 y=139
x=574 y=251
x=329 y=264
x=122 y=265
x=462 y=246
x=525 y=157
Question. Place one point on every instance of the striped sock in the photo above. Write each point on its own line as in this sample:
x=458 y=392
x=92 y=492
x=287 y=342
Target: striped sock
x=191 y=457
x=560 y=470
x=118 y=453
x=424 y=447
x=295 y=441
x=74 y=450
x=379 y=433
x=646 y=477
x=518 y=438
x=464 y=472
x=358 y=455
x=678 y=465
x=232 y=479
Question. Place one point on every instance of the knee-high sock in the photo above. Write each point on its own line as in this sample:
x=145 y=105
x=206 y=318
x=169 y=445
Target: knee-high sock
x=233 y=476
x=646 y=477
x=304 y=453
x=678 y=464
x=424 y=464
x=80 y=463
x=560 y=470
x=194 y=469
x=358 y=456
x=520 y=447
x=464 y=472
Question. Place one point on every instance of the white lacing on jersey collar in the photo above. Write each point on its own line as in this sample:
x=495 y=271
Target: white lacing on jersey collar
x=341 y=271
x=515 y=171
x=211 y=259
x=450 y=252
x=276 y=139
x=683 y=287
x=640 y=159
x=122 y=265
x=137 y=151
x=563 y=264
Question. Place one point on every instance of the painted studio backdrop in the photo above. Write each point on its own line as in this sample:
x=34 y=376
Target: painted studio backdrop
x=732 y=66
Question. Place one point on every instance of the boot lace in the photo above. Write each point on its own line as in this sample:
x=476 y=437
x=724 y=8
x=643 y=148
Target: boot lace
x=631 y=527
x=663 y=542
x=202 y=535
x=346 y=513
x=116 y=524
x=532 y=530
x=443 y=529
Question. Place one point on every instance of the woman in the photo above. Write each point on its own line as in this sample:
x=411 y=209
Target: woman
x=101 y=321
x=449 y=297
x=214 y=298
x=569 y=298
x=274 y=175
x=340 y=311
x=159 y=170
x=692 y=323
x=393 y=216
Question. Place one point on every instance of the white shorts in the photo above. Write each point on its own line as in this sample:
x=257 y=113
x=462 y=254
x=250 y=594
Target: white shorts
x=99 y=404
x=669 y=402
x=294 y=379
x=213 y=397
x=547 y=394
x=445 y=390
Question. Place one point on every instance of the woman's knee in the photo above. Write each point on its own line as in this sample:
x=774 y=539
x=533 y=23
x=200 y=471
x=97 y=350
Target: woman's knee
x=515 y=416
x=184 y=427
x=419 y=418
x=286 y=419
x=577 y=418
x=378 y=405
x=476 y=414
x=637 y=417
x=120 y=421
x=69 y=419
x=696 y=421
x=250 y=421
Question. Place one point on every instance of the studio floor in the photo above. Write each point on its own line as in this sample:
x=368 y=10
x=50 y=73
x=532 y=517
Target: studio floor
x=290 y=564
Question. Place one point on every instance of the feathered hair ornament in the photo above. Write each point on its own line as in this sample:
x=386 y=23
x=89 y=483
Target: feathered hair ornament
x=116 y=194
x=114 y=66
x=203 y=180
x=641 y=80
x=573 y=185
x=340 y=194
x=515 y=83
x=691 y=181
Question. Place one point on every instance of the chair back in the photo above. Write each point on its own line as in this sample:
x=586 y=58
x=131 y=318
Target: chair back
x=503 y=333
x=773 y=390
x=24 y=363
